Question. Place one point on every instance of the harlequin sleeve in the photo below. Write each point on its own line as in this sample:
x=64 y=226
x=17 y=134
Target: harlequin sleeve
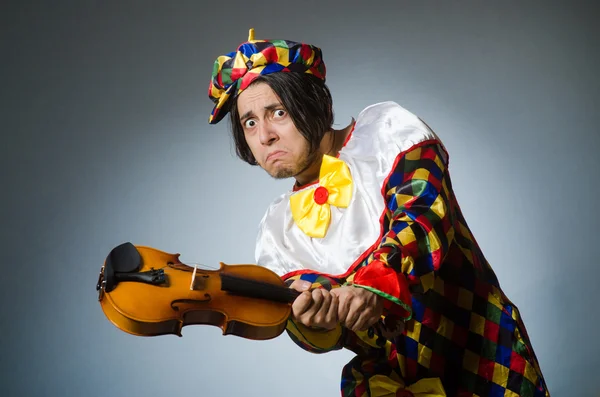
x=417 y=229
x=312 y=339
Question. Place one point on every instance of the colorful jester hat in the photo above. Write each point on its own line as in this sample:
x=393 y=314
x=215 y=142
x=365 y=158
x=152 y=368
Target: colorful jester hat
x=233 y=72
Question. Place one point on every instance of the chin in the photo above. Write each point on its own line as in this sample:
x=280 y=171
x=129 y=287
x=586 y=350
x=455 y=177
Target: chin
x=281 y=175
x=280 y=172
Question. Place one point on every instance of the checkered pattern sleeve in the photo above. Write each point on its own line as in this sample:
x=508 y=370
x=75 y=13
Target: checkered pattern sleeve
x=312 y=339
x=417 y=229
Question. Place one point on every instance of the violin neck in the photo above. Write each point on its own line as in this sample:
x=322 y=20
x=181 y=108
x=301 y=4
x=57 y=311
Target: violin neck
x=257 y=289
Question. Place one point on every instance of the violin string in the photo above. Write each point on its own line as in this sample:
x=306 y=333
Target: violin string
x=191 y=264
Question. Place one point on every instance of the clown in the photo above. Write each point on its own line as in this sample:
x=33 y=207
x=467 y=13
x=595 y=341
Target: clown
x=372 y=234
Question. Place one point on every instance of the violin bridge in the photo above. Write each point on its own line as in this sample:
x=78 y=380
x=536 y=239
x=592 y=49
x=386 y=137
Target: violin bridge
x=193 y=277
x=198 y=281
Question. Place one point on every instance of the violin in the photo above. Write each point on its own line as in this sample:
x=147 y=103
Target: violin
x=147 y=292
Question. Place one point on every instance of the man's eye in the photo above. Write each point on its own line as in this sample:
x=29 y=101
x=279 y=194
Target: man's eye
x=280 y=113
x=250 y=123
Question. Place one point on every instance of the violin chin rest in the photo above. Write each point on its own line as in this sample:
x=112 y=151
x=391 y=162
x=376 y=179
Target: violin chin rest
x=124 y=258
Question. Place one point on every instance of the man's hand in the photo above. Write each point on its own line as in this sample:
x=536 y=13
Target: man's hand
x=358 y=308
x=316 y=308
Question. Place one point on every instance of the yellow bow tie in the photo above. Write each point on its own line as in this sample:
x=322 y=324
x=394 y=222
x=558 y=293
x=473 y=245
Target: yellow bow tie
x=382 y=386
x=311 y=207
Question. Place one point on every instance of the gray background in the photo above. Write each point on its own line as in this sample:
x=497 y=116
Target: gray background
x=105 y=139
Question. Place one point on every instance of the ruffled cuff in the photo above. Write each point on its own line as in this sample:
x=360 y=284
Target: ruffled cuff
x=315 y=340
x=382 y=280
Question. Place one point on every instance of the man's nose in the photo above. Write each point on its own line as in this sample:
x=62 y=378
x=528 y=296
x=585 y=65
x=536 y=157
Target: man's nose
x=267 y=134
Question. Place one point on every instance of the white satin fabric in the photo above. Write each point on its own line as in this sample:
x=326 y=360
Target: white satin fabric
x=381 y=132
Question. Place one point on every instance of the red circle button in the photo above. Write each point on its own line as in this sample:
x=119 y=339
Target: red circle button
x=321 y=195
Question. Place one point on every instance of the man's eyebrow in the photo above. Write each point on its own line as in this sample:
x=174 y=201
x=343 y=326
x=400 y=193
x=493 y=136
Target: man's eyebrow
x=246 y=115
x=250 y=113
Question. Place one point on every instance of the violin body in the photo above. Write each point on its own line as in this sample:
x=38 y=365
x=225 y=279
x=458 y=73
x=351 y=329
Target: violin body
x=148 y=292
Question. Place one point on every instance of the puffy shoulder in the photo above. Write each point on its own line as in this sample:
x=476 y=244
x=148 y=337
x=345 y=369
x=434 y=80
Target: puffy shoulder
x=390 y=123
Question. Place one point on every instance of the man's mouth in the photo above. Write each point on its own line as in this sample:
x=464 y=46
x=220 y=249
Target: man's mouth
x=275 y=155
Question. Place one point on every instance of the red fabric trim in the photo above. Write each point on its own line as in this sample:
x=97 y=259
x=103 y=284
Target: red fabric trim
x=296 y=188
x=381 y=218
x=385 y=279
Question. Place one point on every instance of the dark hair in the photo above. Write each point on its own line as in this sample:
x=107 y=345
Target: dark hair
x=305 y=97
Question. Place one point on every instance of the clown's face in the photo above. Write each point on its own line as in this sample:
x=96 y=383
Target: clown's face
x=277 y=145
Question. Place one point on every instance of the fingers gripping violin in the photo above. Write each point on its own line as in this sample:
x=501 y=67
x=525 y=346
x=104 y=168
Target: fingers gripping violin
x=148 y=292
